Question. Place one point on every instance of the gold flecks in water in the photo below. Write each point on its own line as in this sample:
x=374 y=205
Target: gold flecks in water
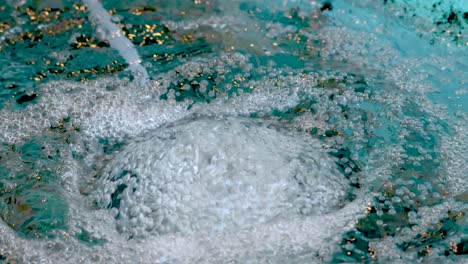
x=454 y=247
x=187 y=38
x=372 y=253
x=23 y=207
x=39 y=76
x=64 y=25
x=146 y=34
x=428 y=249
x=81 y=8
x=84 y=41
x=4 y=26
x=44 y=16
x=142 y=10
x=96 y=71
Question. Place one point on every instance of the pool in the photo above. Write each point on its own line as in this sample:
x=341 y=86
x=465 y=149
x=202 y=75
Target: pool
x=233 y=131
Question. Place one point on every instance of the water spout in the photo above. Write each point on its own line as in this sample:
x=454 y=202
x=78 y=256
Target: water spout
x=109 y=31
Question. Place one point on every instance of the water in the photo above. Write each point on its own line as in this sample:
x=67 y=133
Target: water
x=243 y=131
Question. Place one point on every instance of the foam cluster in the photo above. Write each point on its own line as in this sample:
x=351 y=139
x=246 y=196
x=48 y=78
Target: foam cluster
x=295 y=238
x=218 y=175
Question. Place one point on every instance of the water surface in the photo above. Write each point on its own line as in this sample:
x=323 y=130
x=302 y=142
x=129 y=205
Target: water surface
x=248 y=131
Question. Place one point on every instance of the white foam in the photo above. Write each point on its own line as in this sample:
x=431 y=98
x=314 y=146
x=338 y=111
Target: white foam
x=454 y=150
x=112 y=109
x=117 y=109
x=312 y=236
x=218 y=176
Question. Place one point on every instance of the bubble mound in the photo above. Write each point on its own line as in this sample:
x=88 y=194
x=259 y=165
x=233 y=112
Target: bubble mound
x=218 y=175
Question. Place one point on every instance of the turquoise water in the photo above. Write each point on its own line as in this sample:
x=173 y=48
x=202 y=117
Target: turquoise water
x=245 y=131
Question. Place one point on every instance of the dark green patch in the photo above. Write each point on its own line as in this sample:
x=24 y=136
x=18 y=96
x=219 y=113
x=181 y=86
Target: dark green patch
x=327 y=6
x=30 y=200
x=116 y=196
x=462 y=248
x=331 y=133
x=26 y=98
x=452 y=18
x=347 y=165
x=313 y=131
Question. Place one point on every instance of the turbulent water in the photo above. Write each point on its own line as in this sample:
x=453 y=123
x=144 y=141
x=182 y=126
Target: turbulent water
x=233 y=131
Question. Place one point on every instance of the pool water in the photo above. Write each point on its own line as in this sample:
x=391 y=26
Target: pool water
x=233 y=131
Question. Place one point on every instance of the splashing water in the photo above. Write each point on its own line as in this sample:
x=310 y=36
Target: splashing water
x=279 y=131
x=217 y=175
x=112 y=33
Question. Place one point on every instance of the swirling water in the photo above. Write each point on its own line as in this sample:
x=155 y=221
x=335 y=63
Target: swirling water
x=233 y=131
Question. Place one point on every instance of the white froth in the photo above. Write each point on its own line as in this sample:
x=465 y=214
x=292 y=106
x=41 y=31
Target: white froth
x=313 y=237
x=455 y=152
x=218 y=175
x=426 y=218
x=116 y=109
x=107 y=108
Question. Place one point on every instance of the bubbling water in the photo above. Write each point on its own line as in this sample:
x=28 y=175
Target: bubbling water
x=254 y=154
x=218 y=175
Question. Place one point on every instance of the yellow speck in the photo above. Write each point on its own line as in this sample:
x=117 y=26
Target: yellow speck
x=23 y=207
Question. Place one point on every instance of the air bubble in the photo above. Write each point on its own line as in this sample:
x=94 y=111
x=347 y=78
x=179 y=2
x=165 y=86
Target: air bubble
x=261 y=163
